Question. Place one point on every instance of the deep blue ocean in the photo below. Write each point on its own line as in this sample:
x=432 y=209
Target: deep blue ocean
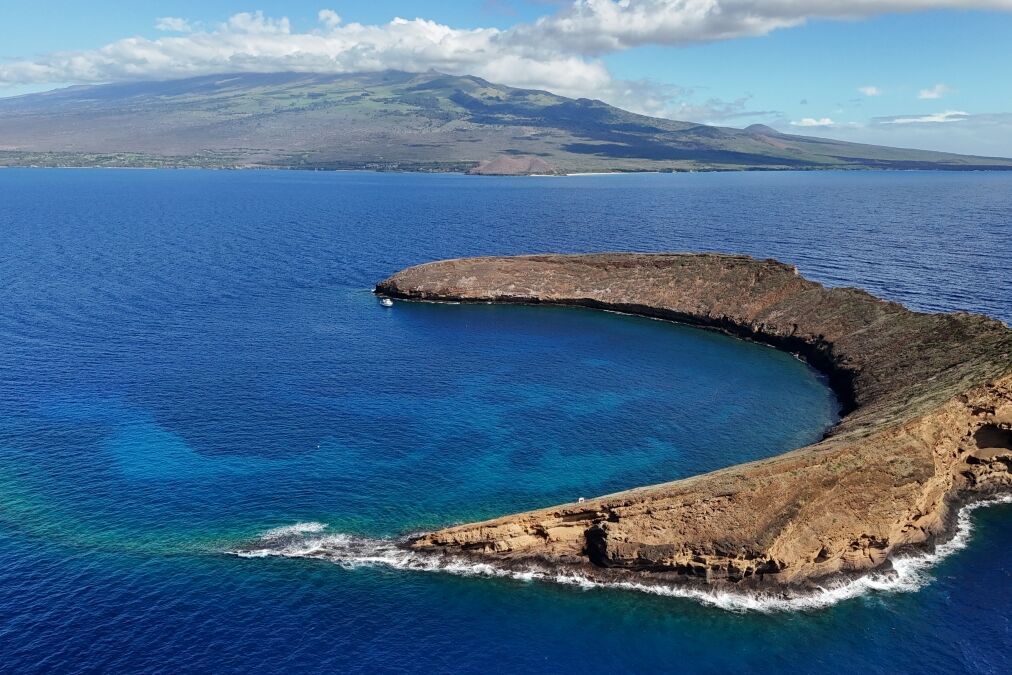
x=192 y=365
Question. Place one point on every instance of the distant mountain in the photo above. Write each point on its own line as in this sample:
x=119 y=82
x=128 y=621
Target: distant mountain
x=398 y=121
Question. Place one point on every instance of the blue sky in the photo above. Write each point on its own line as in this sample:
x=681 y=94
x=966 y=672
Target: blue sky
x=932 y=78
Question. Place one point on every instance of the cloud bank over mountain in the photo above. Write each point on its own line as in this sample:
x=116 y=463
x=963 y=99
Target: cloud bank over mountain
x=562 y=51
x=558 y=51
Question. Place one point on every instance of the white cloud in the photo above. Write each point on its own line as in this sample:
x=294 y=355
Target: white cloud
x=557 y=50
x=937 y=91
x=172 y=24
x=989 y=135
x=329 y=18
x=870 y=91
x=601 y=26
x=253 y=42
x=813 y=122
x=258 y=24
x=936 y=118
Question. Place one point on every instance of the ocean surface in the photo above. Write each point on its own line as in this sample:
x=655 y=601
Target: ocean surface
x=211 y=432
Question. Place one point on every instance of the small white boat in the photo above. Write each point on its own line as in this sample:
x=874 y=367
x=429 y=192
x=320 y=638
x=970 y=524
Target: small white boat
x=386 y=302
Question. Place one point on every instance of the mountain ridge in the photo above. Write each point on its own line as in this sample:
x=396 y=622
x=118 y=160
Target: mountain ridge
x=393 y=120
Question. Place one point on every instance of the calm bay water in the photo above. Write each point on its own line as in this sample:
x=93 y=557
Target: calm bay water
x=190 y=361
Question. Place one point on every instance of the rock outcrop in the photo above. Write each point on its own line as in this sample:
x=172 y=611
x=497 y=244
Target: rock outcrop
x=927 y=423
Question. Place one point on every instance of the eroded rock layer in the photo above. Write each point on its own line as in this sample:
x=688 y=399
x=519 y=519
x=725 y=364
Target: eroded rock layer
x=928 y=422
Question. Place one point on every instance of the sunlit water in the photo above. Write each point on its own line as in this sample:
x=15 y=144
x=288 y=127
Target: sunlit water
x=191 y=364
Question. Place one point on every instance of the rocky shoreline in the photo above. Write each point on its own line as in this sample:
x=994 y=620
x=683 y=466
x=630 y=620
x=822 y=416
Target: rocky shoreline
x=926 y=426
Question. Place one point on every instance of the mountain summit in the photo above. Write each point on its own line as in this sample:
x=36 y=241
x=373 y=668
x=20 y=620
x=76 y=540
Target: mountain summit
x=398 y=121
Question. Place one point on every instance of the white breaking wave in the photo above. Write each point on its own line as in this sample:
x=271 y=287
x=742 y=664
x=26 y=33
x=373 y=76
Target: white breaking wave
x=909 y=572
x=290 y=531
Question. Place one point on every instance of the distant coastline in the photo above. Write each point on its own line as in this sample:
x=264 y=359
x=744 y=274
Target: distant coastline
x=59 y=162
x=400 y=121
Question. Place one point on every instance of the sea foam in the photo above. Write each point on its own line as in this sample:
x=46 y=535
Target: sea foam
x=909 y=572
x=289 y=531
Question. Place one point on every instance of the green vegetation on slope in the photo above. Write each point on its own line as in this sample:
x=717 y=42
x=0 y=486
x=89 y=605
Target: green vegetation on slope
x=397 y=121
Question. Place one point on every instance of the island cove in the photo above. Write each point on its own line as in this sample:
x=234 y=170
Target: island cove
x=927 y=426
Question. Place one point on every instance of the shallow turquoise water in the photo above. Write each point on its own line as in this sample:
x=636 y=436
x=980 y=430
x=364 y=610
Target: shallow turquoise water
x=191 y=360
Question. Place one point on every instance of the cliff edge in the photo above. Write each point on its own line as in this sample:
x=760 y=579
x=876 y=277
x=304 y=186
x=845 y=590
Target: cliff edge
x=927 y=424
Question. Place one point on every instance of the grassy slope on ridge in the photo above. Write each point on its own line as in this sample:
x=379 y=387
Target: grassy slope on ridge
x=396 y=120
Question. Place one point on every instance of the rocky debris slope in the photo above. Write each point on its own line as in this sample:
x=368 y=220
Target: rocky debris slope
x=928 y=422
x=514 y=166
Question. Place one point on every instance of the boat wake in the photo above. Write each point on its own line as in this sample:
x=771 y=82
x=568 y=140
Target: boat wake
x=909 y=572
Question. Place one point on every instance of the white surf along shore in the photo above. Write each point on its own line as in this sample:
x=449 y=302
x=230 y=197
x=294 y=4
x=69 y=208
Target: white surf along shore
x=314 y=540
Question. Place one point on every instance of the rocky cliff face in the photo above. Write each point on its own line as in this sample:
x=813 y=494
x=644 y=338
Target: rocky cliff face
x=928 y=422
